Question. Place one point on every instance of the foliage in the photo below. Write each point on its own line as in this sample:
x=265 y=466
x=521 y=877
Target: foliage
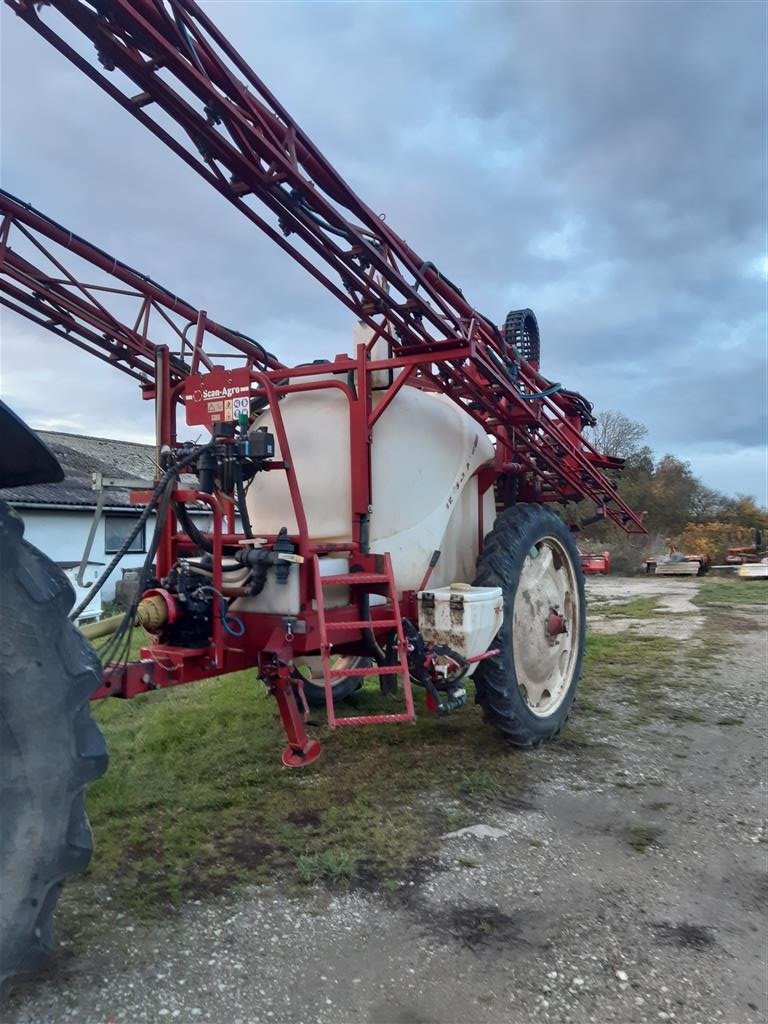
x=195 y=800
x=712 y=539
x=678 y=508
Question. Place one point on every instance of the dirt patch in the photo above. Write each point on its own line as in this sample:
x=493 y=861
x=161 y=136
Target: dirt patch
x=246 y=850
x=675 y=615
x=476 y=926
x=304 y=819
x=675 y=595
x=678 y=628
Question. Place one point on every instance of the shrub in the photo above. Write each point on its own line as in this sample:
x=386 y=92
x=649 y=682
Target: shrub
x=712 y=539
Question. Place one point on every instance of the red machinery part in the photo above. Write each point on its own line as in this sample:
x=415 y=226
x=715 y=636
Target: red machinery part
x=211 y=109
x=199 y=97
x=596 y=563
x=93 y=316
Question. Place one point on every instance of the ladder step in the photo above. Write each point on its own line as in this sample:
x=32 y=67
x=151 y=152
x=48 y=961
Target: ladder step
x=338 y=627
x=355 y=578
x=372 y=670
x=374 y=719
x=372 y=582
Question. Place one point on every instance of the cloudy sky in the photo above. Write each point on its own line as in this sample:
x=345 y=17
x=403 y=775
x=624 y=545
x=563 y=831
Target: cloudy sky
x=604 y=164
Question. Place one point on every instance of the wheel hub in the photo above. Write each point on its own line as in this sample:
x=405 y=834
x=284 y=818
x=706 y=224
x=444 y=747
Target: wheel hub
x=556 y=623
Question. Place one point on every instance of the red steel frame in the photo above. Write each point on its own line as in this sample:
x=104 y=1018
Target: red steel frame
x=40 y=280
x=225 y=654
x=199 y=97
x=222 y=121
x=273 y=641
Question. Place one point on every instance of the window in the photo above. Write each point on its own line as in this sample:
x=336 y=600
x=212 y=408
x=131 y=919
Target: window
x=116 y=530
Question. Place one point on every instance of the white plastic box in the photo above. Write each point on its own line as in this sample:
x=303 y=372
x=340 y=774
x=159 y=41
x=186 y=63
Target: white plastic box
x=463 y=617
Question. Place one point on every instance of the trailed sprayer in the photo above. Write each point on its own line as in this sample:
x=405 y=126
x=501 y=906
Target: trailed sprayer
x=383 y=513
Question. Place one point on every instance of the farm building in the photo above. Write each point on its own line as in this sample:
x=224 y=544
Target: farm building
x=58 y=517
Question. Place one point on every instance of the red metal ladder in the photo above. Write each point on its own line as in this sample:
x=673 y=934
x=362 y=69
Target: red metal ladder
x=363 y=581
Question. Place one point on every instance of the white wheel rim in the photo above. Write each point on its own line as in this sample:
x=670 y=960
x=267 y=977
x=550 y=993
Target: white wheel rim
x=546 y=626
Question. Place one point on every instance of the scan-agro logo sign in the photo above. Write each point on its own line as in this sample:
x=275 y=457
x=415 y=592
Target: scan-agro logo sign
x=217 y=397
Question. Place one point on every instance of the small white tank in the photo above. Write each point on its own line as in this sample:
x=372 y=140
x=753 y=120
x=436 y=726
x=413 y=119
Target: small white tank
x=464 y=618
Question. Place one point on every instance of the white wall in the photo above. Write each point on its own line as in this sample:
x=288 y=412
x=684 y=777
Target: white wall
x=62 y=535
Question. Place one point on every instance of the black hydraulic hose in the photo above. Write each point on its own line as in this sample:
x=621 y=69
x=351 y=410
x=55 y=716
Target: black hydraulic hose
x=120 y=642
x=304 y=206
x=429 y=265
x=551 y=390
x=121 y=552
x=183 y=30
x=245 y=519
x=190 y=528
x=369 y=636
x=494 y=328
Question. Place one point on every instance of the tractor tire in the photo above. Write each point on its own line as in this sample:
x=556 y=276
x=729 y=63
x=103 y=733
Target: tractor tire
x=345 y=686
x=527 y=689
x=50 y=748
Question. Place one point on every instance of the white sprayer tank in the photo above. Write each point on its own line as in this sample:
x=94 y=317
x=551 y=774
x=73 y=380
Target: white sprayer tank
x=424 y=455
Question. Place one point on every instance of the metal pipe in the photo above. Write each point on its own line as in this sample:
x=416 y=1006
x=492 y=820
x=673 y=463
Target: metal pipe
x=103 y=627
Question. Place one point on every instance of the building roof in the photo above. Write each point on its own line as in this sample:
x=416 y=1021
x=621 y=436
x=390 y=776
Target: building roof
x=80 y=456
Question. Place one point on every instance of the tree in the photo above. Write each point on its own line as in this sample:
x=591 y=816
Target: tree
x=743 y=510
x=671 y=497
x=616 y=434
x=707 y=504
x=675 y=502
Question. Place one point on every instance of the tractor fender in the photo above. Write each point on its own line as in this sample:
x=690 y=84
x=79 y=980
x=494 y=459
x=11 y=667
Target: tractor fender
x=24 y=457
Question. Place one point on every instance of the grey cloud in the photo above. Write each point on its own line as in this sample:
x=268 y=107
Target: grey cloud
x=482 y=130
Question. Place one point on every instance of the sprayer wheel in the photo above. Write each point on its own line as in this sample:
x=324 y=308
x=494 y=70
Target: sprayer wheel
x=526 y=691
x=345 y=686
x=50 y=748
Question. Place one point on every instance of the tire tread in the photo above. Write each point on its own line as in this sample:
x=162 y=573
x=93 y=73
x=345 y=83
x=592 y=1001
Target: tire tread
x=504 y=551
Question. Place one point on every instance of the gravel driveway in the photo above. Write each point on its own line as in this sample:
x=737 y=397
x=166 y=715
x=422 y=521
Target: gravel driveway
x=629 y=886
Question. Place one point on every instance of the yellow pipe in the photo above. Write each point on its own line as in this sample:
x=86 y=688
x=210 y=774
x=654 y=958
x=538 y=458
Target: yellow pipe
x=103 y=627
x=152 y=613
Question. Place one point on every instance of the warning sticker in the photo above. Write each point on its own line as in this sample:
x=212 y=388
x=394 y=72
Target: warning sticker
x=217 y=397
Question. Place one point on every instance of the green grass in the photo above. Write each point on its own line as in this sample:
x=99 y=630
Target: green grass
x=334 y=866
x=732 y=591
x=196 y=801
x=638 y=664
x=639 y=608
x=631 y=680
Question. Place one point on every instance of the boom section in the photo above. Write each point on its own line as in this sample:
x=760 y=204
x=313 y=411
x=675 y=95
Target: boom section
x=83 y=295
x=181 y=78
